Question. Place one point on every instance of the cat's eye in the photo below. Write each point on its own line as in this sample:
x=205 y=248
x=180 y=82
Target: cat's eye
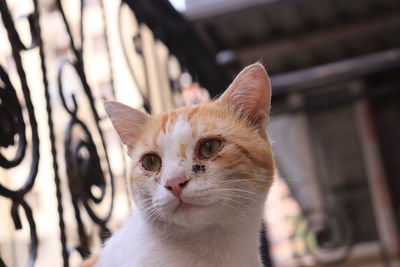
x=151 y=162
x=209 y=148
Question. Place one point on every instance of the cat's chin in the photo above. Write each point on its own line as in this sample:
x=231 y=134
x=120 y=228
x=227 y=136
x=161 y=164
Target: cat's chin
x=189 y=215
x=188 y=210
x=184 y=206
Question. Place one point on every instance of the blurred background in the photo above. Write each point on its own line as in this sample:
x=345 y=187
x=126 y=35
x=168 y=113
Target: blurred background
x=335 y=120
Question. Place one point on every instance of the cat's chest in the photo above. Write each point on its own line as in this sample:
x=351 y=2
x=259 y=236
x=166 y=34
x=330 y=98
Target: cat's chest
x=136 y=246
x=156 y=255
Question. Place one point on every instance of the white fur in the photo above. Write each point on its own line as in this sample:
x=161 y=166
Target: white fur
x=220 y=228
x=140 y=244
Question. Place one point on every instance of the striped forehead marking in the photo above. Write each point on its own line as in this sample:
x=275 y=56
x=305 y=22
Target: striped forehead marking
x=182 y=151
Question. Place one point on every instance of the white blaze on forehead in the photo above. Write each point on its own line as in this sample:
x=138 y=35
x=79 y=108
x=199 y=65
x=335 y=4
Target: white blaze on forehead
x=179 y=132
x=169 y=144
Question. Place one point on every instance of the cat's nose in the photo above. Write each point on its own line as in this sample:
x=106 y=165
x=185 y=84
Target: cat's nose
x=176 y=185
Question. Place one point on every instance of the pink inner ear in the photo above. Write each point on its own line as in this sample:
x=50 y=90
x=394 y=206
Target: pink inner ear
x=128 y=122
x=250 y=93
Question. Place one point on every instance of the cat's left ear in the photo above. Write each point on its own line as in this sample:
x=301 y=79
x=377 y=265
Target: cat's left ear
x=250 y=94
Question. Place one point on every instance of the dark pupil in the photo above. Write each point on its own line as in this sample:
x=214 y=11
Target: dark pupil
x=151 y=159
x=150 y=162
x=209 y=147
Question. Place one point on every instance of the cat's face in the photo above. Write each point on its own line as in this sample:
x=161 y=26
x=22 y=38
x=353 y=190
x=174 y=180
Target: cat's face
x=205 y=164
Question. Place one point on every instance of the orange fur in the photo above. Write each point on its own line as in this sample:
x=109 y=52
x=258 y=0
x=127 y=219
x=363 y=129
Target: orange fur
x=242 y=124
x=182 y=151
x=245 y=142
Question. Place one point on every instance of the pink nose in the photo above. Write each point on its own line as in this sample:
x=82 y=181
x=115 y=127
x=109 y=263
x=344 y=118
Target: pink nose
x=176 y=185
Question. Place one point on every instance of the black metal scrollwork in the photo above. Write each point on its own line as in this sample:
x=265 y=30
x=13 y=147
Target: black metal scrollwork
x=83 y=163
x=12 y=122
x=84 y=170
x=86 y=174
x=13 y=126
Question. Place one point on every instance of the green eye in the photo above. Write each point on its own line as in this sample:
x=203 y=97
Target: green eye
x=151 y=162
x=209 y=148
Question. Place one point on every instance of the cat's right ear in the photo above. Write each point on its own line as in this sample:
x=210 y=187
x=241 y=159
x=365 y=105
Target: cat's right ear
x=128 y=122
x=249 y=95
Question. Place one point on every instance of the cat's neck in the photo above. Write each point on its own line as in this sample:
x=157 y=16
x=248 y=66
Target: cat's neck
x=234 y=242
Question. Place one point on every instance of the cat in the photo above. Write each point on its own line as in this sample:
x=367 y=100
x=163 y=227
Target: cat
x=200 y=177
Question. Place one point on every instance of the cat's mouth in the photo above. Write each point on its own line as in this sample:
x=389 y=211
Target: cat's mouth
x=185 y=206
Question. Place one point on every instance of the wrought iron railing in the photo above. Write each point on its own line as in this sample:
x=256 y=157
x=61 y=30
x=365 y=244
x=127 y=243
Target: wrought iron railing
x=12 y=124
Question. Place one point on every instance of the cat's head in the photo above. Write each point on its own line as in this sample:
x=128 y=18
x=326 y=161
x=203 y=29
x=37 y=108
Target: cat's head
x=204 y=164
